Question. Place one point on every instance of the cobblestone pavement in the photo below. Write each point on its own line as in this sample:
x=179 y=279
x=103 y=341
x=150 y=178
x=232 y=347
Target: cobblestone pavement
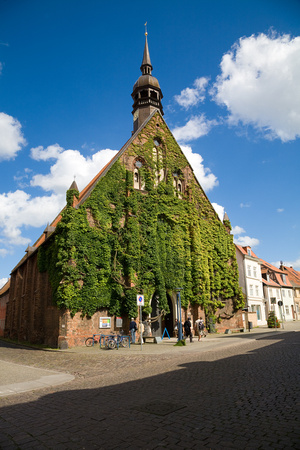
x=227 y=392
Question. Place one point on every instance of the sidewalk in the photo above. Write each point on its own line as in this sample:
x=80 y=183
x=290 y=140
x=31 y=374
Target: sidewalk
x=17 y=378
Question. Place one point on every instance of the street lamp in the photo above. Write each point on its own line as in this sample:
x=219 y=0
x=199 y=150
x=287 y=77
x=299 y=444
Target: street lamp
x=179 y=314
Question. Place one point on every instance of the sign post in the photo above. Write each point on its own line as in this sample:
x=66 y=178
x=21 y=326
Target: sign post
x=140 y=303
x=179 y=314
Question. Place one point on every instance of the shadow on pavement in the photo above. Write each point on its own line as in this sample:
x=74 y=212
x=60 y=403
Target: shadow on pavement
x=239 y=401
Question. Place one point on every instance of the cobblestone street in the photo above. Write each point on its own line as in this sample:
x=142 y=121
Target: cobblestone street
x=236 y=392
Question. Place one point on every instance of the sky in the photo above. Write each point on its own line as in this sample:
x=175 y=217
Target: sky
x=230 y=76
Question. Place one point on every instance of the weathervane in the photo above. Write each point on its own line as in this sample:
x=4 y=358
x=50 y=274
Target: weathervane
x=146 y=33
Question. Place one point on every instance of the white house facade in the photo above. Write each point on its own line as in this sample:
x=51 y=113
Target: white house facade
x=250 y=280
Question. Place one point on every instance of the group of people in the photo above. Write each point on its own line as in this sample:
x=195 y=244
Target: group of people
x=187 y=326
x=199 y=329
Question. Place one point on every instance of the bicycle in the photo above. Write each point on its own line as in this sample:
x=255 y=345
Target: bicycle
x=90 y=341
x=116 y=340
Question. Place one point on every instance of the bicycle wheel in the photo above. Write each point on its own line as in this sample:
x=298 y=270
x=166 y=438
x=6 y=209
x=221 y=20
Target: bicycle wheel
x=89 y=342
x=111 y=344
x=124 y=342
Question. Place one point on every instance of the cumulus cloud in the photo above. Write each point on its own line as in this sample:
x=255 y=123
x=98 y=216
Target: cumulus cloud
x=219 y=210
x=11 y=137
x=237 y=230
x=69 y=163
x=259 y=85
x=196 y=127
x=205 y=177
x=192 y=96
x=246 y=241
x=41 y=154
x=280 y=210
x=19 y=209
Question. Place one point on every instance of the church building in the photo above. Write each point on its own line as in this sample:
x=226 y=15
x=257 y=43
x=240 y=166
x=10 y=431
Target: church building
x=142 y=226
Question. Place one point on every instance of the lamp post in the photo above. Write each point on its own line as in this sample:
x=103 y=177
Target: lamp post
x=179 y=314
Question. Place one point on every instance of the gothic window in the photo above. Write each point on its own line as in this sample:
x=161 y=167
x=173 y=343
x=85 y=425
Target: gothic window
x=137 y=179
x=178 y=182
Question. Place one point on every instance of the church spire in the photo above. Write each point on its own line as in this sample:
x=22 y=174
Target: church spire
x=146 y=93
x=146 y=66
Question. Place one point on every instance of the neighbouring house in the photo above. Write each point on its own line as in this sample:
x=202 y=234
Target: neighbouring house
x=294 y=277
x=278 y=288
x=142 y=226
x=250 y=280
x=4 y=295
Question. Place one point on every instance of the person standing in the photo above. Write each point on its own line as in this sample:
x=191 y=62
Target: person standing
x=187 y=329
x=132 y=330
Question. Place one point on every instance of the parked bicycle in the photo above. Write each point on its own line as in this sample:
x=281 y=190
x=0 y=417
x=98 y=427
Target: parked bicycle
x=110 y=341
x=116 y=340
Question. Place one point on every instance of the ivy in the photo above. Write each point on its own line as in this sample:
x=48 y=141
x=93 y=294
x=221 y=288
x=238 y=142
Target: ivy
x=123 y=241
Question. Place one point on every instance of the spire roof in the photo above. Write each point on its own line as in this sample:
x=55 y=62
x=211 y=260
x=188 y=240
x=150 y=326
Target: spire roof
x=146 y=58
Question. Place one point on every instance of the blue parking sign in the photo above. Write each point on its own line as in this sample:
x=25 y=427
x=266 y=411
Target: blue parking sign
x=140 y=300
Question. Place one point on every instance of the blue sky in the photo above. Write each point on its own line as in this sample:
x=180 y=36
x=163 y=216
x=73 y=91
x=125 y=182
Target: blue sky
x=229 y=72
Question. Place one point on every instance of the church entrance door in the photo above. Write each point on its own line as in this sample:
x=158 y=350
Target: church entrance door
x=157 y=327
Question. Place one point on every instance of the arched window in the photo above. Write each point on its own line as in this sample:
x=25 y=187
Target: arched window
x=137 y=179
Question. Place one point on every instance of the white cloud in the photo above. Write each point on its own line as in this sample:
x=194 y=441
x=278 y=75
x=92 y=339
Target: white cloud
x=205 y=177
x=11 y=137
x=3 y=281
x=69 y=163
x=280 y=210
x=245 y=205
x=246 y=241
x=196 y=127
x=295 y=264
x=192 y=96
x=41 y=154
x=18 y=209
x=220 y=210
x=237 y=230
x=259 y=85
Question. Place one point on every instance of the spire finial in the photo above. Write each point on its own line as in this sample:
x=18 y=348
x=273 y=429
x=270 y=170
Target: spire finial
x=145 y=25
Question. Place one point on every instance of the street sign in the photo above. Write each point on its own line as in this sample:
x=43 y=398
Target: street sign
x=280 y=303
x=140 y=300
x=273 y=300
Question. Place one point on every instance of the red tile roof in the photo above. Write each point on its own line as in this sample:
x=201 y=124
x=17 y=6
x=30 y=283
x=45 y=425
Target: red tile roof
x=244 y=250
x=294 y=275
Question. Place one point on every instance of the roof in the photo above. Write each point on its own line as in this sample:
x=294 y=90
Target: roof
x=244 y=251
x=267 y=267
x=270 y=283
x=294 y=275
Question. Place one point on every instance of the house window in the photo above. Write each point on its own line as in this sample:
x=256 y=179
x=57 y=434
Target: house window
x=271 y=292
x=287 y=310
x=249 y=271
x=249 y=251
x=278 y=293
x=256 y=291
x=251 y=289
x=254 y=272
x=290 y=294
x=283 y=293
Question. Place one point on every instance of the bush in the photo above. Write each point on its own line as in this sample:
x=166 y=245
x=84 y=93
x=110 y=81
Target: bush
x=272 y=320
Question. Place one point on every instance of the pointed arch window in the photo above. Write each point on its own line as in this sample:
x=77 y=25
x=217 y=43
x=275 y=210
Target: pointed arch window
x=137 y=179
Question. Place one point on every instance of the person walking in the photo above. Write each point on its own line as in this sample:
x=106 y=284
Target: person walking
x=187 y=329
x=200 y=329
x=132 y=330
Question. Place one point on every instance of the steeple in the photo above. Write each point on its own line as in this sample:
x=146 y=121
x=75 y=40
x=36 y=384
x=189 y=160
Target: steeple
x=146 y=93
